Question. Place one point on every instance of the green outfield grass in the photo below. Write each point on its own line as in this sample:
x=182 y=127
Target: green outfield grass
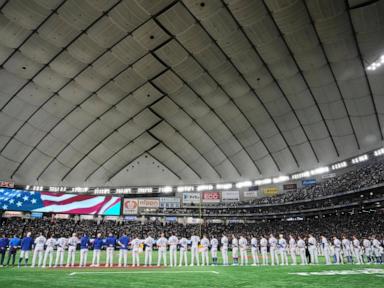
x=181 y=277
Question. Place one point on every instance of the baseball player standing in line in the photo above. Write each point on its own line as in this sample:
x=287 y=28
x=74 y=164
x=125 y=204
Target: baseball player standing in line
x=38 y=252
x=204 y=253
x=235 y=250
x=224 y=249
x=26 y=247
x=97 y=245
x=123 y=243
x=292 y=249
x=357 y=250
x=301 y=246
x=135 y=252
x=84 y=243
x=72 y=243
x=255 y=257
x=61 y=246
x=148 y=244
x=282 y=243
x=326 y=250
x=110 y=243
x=264 y=250
x=214 y=245
x=162 y=250
x=312 y=249
x=51 y=243
x=243 y=243
x=195 y=250
x=273 y=250
x=173 y=241
x=183 y=251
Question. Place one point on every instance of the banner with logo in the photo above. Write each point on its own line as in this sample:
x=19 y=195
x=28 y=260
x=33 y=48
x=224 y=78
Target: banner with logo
x=309 y=182
x=230 y=196
x=191 y=198
x=329 y=175
x=7 y=184
x=270 y=191
x=149 y=203
x=289 y=186
x=169 y=202
x=130 y=206
x=211 y=197
x=251 y=194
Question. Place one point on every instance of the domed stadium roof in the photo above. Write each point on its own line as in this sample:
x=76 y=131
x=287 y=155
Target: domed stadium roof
x=109 y=92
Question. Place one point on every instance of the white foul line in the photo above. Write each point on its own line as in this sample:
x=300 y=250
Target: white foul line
x=140 y=272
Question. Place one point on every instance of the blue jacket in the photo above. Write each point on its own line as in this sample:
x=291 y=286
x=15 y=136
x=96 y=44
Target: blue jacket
x=110 y=241
x=84 y=242
x=125 y=241
x=4 y=242
x=98 y=244
x=26 y=243
x=14 y=242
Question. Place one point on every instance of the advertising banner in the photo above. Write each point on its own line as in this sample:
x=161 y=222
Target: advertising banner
x=230 y=196
x=191 y=198
x=25 y=200
x=270 y=191
x=250 y=194
x=130 y=206
x=149 y=203
x=329 y=175
x=211 y=197
x=309 y=182
x=169 y=202
x=289 y=186
x=7 y=184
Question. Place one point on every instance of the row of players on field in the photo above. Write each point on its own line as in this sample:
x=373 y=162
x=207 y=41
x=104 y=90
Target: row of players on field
x=275 y=250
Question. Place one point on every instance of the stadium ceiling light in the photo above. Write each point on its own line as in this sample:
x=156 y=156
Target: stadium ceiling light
x=123 y=190
x=224 y=186
x=144 y=190
x=379 y=152
x=166 y=189
x=243 y=184
x=319 y=170
x=101 y=191
x=376 y=64
x=301 y=175
x=359 y=159
x=80 y=189
x=280 y=179
x=339 y=165
x=263 y=182
x=185 y=188
x=204 y=187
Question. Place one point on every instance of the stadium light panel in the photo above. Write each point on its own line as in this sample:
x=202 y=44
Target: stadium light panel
x=123 y=190
x=101 y=191
x=339 y=165
x=185 y=188
x=360 y=158
x=204 y=187
x=378 y=152
x=376 y=64
x=319 y=170
x=166 y=189
x=243 y=184
x=301 y=175
x=224 y=186
x=263 y=182
x=144 y=190
x=280 y=179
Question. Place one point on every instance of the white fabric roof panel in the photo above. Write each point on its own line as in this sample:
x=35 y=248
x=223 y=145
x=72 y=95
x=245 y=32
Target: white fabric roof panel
x=247 y=86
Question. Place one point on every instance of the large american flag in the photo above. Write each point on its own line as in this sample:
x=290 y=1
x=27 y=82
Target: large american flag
x=23 y=200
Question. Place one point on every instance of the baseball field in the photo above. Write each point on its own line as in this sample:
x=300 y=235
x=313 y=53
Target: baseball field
x=313 y=276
